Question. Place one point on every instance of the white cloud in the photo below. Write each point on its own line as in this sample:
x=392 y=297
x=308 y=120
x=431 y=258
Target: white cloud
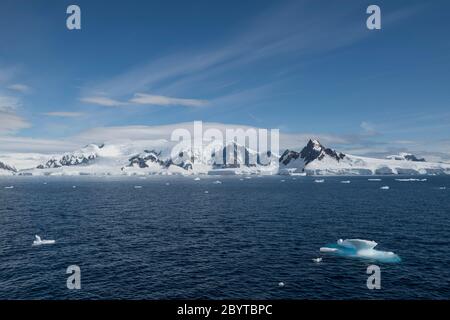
x=145 y=99
x=64 y=114
x=10 y=122
x=31 y=145
x=103 y=101
x=368 y=129
x=142 y=98
x=8 y=104
x=20 y=88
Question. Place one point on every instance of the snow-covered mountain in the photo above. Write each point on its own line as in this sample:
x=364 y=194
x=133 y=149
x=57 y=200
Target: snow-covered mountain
x=83 y=156
x=156 y=158
x=6 y=169
x=315 y=159
x=405 y=156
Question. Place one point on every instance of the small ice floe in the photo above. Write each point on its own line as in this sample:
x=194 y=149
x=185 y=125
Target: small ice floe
x=39 y=241
x=138 y=187
x=167 y=184
x=281 y=284
x=9 y=187
x=384 y=188
x=74 y=187
x=442 y=188
x=411 y=179
x=45 y=183
x=282 y=180
x=317 y=260
x=241 y=179
x=248 y=177
x=197 y=179
x=319 y=181
x=345 y=181
x=374 y=179
x=294 y=178
x=359 y=248
x=206 y=192
x=217 y=182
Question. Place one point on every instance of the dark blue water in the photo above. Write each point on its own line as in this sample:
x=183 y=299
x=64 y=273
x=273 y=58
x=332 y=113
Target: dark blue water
x=238 y=241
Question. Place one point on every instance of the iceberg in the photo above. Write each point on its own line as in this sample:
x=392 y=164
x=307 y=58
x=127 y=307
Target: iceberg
x=359 y=248
x=39 y=241
x=384 y=188
x=319 y=181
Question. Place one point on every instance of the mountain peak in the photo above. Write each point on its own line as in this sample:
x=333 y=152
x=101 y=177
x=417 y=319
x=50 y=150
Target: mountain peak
x=6 y=167
x=315 y=150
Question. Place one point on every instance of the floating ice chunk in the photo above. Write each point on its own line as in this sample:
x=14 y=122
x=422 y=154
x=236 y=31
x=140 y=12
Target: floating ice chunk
x=281 y=284
x=217 y=182
x=359 y=248
x=442 y=188
x=197 y=179
x=9 y=187
x=241 y=179
x=167 y=184
x=39 y=241
x=206 y=192
x=248 y=177
x=282 y=180
x=74 y=187
x=326 y=249
x=384 y=188
x=345 y=181
x=138 y=187
x=317 y=260
x=319 y=181
x=411 y=179
x=374 y=179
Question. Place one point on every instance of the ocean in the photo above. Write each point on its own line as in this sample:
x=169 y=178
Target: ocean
x=166 y=238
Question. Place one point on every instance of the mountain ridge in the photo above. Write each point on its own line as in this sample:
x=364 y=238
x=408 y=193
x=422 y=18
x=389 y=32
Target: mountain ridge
x=313 y=159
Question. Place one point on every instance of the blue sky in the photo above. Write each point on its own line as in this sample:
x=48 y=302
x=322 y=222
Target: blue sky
x=305 y=67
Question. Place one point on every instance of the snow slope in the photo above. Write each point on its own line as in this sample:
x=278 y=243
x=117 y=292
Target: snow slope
x=315 y=159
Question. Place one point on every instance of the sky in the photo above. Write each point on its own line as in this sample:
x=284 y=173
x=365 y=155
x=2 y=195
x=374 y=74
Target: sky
x=308 y=68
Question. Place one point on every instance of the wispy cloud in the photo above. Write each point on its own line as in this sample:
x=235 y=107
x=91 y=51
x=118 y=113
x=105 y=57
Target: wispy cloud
x=8 y=103
x=102 y=101
x=368 y=129
x=10 y=122
x=145 y=99
x=22 y=88
x=64 y=114
x=142 y=98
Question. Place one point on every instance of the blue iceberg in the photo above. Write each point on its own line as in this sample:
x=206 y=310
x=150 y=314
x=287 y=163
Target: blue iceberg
x=358 y=248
